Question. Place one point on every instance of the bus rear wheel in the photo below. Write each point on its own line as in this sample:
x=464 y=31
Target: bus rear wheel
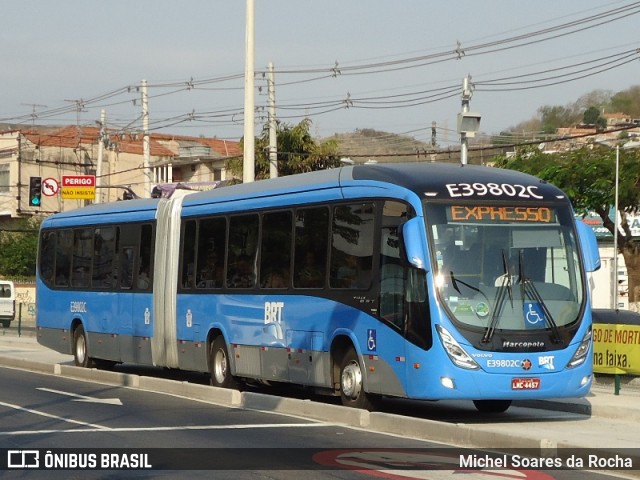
x=492 y=406
x=80 y=348
x=220 y=366
x=352 y=384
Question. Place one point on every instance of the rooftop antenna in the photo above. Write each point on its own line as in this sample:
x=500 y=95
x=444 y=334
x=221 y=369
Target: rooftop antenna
x=34 y=115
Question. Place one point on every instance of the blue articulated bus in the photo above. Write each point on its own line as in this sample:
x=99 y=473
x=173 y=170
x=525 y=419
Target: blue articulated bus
x=422 y=281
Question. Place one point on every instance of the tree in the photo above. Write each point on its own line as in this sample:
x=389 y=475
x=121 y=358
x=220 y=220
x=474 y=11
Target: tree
x=554 y=117
x=298 y=152
x=627 y=101
x=592 y=117
x=596 y=97
x=587 y=176
x=18 y=248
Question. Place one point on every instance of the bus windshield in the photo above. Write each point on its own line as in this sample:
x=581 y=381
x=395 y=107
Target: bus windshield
x=507 y=267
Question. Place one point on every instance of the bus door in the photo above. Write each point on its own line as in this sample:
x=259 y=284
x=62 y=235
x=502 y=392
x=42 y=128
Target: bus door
x=103 y=277
x=416 y=326
x=142 y=298
x=124 y=303
x=392 y=305
x=134 y=292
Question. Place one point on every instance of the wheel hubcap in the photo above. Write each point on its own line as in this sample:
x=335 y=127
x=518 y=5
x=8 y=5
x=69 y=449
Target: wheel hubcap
x=220 y=367
x=351 y=382
x=81 y=349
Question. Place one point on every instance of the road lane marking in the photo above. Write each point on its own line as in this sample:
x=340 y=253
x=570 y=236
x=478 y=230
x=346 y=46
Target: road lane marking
x=83 y=398
x=56 y=417
x=100 y=428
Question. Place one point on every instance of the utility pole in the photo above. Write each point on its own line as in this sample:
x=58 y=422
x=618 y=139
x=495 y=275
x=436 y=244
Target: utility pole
x=273 y=140
x=464 y=141
x=146 y=148
x=101 y=139
x=34 y=115
x=249 y=161
x=468 y=123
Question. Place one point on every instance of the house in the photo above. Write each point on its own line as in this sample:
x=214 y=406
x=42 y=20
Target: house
x=49 y=154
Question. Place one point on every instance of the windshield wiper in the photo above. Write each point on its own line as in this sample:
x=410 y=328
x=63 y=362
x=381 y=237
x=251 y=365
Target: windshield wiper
x=528 y=288
x=505 y=288
x=455 y=282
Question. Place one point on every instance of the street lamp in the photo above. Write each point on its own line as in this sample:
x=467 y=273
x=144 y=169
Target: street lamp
x=614 y=263
x=468 y=123
x=614 y=287
x=627 y=146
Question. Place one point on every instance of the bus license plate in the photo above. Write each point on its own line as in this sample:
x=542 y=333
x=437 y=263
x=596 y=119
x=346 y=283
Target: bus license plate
x=525 y=383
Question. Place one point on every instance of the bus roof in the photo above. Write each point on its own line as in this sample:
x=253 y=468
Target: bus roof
x=426 y=180
x=139 y=209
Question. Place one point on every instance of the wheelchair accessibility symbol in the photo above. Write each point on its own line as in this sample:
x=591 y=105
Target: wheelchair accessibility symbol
x=533 y=314
x=371 y=340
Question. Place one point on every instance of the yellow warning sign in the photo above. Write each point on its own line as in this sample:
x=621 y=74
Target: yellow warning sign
x=87 y=193
x=616 y=348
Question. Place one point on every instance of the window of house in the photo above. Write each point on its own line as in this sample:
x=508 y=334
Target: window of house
x=4 y=178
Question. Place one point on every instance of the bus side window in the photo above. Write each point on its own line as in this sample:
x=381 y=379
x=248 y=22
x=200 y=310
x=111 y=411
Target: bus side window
x=391 y=278
x=145 y=269
x=188 y=254
x=211 y=253
x=63 y=257
x=126 y=260
x=275 y=252
x=418 y=327
x=352 y=246
x=310 y=250
x=243 y=246
x=48 y=256
x=392 y=270
x=82 y=257
x=104 y=251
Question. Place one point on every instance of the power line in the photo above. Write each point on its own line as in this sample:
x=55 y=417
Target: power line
x=231 y=116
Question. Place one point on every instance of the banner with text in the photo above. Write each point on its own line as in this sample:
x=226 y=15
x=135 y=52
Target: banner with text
x=616 y=349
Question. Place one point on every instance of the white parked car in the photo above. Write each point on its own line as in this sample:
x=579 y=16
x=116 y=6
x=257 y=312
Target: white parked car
x=7 y=302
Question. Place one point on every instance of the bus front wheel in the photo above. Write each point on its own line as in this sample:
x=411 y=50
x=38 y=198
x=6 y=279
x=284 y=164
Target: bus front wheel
x=492 y=406
x=220 y=366
x=352 y=384
x=80 y=350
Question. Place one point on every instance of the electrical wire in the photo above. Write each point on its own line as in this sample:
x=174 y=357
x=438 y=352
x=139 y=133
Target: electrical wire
x=402 y=100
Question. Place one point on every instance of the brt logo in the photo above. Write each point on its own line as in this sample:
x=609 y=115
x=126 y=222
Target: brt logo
x=273 y=312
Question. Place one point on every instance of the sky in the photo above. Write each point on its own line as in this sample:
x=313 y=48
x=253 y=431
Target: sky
x=392 y=66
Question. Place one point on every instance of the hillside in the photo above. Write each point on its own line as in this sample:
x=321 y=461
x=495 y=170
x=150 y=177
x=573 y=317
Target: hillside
x=383 y=147
x=368 y=144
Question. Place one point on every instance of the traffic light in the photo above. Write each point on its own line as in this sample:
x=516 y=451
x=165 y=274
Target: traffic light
x=35 y=191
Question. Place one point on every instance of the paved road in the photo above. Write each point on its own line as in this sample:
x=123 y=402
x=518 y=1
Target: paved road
x=45 y=413
x=559 y=426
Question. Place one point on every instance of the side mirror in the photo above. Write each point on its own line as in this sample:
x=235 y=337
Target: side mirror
x=415 y=242
x=589 y=246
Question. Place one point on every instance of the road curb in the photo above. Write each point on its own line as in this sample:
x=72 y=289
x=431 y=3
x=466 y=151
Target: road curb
x=306 y=408
x=458 y=434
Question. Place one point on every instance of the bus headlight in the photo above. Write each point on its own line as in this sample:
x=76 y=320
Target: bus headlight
x=581 y=353
x=455 y=351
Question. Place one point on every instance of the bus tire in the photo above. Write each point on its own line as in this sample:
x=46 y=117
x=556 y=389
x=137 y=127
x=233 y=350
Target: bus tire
x=492 y=406
x=220 y=365
x=80 y=348
x=352 y=384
